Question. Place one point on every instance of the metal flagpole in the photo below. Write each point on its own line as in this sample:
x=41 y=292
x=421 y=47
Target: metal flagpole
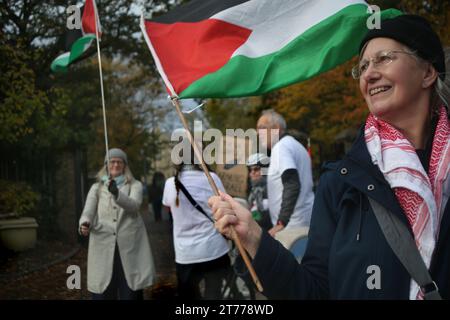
x=101 y=86
x=234 y=236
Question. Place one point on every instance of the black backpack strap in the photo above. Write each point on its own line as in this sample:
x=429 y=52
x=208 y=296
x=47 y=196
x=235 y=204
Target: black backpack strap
x=191 y=200
x=404 y=247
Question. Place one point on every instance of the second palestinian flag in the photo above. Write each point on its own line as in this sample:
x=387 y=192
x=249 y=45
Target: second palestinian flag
x=233 y=48
x=77 y=41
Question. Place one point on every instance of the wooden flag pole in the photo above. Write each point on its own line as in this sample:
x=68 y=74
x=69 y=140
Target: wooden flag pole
x=96 y=19
x=234 y=236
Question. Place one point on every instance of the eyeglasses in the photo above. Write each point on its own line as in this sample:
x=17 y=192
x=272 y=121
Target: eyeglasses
x=118 y=162
x=380 y=60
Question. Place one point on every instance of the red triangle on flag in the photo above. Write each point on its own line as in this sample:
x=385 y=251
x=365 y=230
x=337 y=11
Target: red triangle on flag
x=90 y=15
x=189 y=51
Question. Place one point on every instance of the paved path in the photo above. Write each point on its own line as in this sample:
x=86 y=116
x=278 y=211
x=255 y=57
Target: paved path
x=50 y=282
x=161 y=242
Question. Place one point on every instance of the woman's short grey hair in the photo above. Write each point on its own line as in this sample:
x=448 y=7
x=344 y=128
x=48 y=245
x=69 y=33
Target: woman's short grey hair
x=442 y=87
x=275 y=118
x=127 y=173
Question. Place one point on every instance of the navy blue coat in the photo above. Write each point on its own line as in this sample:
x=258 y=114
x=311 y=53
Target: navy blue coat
x=345 y=240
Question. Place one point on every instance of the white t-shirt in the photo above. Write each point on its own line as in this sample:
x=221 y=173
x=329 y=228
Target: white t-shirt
x=288 y=153
x=194 y=236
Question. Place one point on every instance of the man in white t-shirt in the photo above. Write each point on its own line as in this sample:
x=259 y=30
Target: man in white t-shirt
x=289 y=180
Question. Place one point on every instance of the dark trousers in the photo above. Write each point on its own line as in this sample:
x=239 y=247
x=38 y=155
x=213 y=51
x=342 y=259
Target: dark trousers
x=212 y=272
x=157 y=209
x=118 y=288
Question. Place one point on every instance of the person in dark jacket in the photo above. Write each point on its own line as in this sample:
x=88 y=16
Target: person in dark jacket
x=401 y=159
x=155 y=193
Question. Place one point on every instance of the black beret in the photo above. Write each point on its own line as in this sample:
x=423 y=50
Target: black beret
x=416 y=33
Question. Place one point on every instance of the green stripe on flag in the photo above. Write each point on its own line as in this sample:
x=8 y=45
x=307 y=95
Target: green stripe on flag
x=61 y=62
x=80 y=46
x=321 y=48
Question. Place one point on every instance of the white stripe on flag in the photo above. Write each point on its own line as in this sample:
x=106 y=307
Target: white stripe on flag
x=275 y=25
x=64 y=55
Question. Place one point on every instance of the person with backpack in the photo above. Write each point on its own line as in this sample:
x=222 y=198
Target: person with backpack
x=201 y=252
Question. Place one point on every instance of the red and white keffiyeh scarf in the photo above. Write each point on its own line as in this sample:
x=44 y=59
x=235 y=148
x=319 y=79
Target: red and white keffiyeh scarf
x=422 y=196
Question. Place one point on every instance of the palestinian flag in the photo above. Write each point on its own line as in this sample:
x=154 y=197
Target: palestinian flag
x=77 y=41
x=233 y=48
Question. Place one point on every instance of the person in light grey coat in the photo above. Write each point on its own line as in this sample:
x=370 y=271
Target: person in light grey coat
x=120 y=261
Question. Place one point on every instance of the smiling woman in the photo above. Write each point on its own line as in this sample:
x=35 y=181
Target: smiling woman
x=398 y=90
x=120 y=260
x=398 y=166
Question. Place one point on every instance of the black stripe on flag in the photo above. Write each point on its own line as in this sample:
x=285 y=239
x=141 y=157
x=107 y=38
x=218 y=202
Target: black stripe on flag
x=70 y=37
x=197 y=10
